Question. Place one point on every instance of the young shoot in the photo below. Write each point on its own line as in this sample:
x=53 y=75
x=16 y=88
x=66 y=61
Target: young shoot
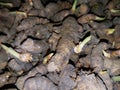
x=19 y=12
x=106 y=54
x=74 y=6
x=6 y=4
x=114 y=10
x=31 y=2
x=47 y=58
x=102 y=72
x=110 y=31
x=25 y=57
x=99 y=18
x=116 y=78
x=80 y=46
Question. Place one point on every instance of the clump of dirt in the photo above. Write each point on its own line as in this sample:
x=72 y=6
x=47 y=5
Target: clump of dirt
x=59 y=44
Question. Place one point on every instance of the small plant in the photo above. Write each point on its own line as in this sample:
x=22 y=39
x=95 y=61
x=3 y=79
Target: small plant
x=6 y=4
x=80 y=46
x=47 y=58
x=88 y=18
x=106 y=54
x=112 y=54
x=25 y=57
x=74 y=6
x=110 y=31
x=31 y=2
x=19 y=12
x=99 y=18
x=116 y=78
x=114 y=10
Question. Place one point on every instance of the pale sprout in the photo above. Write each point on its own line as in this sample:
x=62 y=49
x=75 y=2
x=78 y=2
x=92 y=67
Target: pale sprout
x=25 y=57
x=80 y=46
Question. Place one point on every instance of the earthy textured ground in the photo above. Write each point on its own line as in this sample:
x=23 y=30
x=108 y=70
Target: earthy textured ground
x=41 y=45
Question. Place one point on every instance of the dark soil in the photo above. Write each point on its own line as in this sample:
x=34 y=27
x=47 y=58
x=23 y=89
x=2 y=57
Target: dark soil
x=41 y=45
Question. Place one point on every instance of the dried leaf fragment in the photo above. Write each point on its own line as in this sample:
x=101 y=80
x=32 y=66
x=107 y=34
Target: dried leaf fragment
x=115 y=53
